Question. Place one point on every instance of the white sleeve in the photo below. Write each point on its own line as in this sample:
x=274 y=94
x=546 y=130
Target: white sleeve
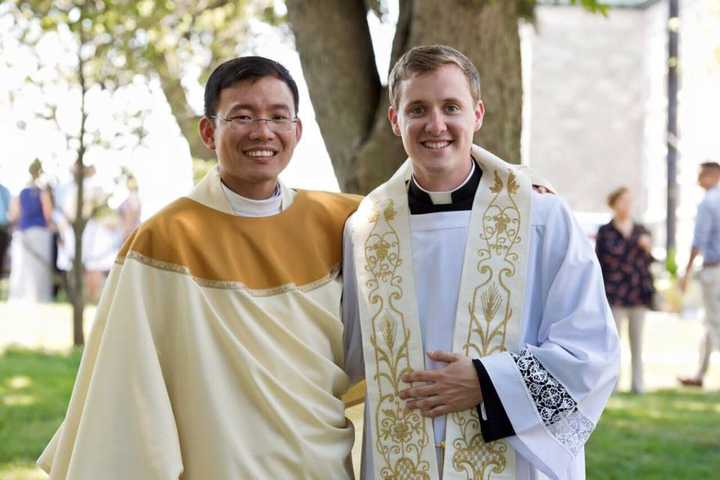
x=119 y=423
x=352 y=336
x=555 y=389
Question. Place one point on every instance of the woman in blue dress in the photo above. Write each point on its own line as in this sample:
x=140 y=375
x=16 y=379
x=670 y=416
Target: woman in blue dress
x=32 y=266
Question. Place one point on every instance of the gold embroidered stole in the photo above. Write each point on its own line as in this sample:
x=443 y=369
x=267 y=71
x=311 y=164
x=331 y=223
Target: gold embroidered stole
x=489 y=320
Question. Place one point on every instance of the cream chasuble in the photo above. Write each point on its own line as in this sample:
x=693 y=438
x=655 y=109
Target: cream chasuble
x=489 y=319
x=217 y=349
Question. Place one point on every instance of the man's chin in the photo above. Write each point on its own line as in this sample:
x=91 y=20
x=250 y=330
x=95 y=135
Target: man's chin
x=436 y=160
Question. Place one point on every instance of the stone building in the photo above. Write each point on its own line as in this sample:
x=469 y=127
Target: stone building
x=595 y=103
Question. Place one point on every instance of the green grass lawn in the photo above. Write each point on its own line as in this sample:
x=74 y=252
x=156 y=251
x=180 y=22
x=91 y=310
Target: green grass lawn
x=34 y=391
x=664 y=435
x=667 y=434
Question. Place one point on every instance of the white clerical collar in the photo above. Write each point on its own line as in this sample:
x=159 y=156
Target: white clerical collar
x=445 y=198
x=247 y=207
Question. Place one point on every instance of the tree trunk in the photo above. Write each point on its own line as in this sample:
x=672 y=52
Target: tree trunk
x=333 y=39
x=77 y=293
x=169 y=75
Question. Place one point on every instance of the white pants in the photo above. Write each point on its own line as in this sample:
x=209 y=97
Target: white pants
x=636 y=320
x=710 y=281
x=31 y=269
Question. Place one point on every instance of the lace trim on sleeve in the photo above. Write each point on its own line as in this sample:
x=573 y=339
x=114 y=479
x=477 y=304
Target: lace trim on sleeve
x=558 y=410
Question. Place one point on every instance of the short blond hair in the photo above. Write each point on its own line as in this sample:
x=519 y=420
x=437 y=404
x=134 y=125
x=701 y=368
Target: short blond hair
x=427 y=58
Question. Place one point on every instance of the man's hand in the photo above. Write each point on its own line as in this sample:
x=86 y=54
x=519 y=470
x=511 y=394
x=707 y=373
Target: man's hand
x=449 y=389
x=683 y=282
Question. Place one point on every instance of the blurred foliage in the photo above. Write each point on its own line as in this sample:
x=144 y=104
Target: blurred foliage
x=200 y=169
x=131 y=37
x=83 y=68
x=671 y=263
x=172 y=41
x=526 y=8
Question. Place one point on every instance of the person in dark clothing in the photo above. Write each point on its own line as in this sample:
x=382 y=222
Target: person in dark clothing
x=623 y=248
x=4 y=225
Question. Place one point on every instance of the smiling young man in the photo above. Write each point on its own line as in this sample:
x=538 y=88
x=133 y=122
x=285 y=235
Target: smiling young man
x=217 y=349
x=476 y=303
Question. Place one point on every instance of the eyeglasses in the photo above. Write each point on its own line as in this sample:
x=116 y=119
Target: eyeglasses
x=277 y=124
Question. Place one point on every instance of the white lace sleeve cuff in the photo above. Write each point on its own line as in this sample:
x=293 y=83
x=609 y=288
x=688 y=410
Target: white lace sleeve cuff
x=555 y=406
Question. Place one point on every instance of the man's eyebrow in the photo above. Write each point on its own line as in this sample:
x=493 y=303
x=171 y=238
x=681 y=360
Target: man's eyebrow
x=280 y=106
x=247 y=106
x=412 y=103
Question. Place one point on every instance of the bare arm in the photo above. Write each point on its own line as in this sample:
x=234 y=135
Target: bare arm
x=14 y=212
x=694 y=252
x=47 y=208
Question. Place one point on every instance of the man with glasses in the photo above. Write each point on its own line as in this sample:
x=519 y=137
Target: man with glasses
x=217 y=349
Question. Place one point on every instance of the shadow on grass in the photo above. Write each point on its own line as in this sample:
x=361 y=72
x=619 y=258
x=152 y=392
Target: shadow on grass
x=668 y=434
x=34 y=391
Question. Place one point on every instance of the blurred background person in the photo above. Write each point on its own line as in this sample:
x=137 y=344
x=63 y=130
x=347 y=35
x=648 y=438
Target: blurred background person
x=31 y=269
x=624 y=250
x=100 y=236
x=130 y=208
x=706 y=242
x=4 y=225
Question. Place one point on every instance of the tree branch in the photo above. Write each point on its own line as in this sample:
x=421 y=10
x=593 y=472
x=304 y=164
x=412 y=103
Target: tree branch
x=177 y=98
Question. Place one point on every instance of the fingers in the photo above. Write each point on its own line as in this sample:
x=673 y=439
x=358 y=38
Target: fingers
x=436 y=411
x=417 y=392
x=421 y=376
x=426 y=404
x=440 y=356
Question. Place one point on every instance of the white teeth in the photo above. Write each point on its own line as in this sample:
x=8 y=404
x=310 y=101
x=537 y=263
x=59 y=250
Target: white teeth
x=436 y=145
x=260 y=153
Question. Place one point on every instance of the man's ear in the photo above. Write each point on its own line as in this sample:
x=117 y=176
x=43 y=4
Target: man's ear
x=393 y=118
x=298 y=130
x=207 y=132
x=479 y=114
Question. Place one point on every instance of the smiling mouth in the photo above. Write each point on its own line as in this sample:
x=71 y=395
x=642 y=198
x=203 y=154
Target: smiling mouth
x=260 y=153
x=436 y=144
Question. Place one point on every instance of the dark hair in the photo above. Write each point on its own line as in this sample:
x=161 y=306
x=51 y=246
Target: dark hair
x=615 y=195
x=715 y=166
x=241 y=69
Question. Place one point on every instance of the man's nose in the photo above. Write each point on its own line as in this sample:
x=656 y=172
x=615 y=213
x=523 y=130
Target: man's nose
x=436 y=123
x=260 y=129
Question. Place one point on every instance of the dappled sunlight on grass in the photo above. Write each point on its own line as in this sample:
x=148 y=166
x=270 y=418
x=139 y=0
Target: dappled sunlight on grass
x=18 y=382
x=34 y=390
x=17 y=400
x=21 y=472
